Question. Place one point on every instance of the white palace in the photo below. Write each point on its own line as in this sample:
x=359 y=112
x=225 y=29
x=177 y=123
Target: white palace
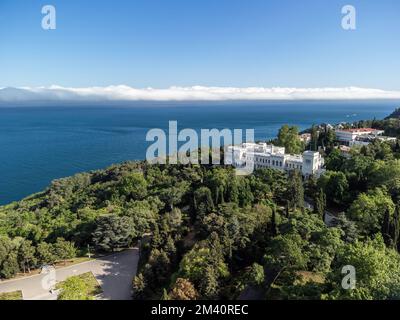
x=264 y=155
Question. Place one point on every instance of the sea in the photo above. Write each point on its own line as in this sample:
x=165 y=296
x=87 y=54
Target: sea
x=42 y=143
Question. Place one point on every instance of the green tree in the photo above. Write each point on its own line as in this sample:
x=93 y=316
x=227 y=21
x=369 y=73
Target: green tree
x=314 y=138
x=8 y=258
x=286 y=253
x=377 y=271
x=288 y=137
x=139 y=286
x=295 y=190
x=64 y=250
x=27 y=256
x=172 y=195
x=320 y=204
x=335 y=160
x=134 y=186
x=335 y=186
x=194 y=264
x=10 y=266
x=113 y=233
x=209 y=286
x=203 y=202
x=369 y=210
x=45 y=253
x=255 y=275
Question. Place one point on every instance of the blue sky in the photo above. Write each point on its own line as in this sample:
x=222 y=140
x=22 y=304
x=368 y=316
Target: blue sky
x=160 y=43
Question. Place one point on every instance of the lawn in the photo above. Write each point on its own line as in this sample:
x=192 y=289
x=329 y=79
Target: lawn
x=82 y=287
x=16 y=295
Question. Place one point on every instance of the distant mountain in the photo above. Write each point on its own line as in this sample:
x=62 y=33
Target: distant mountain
x=394 y=115
x=126 y=93
x=16 y=94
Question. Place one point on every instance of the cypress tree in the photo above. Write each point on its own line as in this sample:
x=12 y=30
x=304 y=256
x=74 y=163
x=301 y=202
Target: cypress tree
x=209 y=285
x=395 y=229
x=386 y=228
x=320 y=204
x=273 y=225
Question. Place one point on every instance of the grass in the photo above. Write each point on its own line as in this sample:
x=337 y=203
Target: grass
x=57 y=265
x=309 y=277
x=70 y=262
x=16 y=295
x=81 y=287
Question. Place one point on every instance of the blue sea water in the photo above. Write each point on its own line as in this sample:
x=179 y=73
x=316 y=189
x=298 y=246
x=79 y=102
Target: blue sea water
x=39 y=144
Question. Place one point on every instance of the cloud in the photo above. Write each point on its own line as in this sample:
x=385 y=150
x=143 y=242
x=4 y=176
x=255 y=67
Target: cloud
x=194 y=93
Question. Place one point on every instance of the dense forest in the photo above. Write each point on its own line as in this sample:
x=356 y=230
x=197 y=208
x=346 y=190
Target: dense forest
x=206 y=233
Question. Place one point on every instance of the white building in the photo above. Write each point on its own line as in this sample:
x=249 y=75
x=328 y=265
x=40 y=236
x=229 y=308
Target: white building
x=349 y=135
x=263 y=155
x=366 y=140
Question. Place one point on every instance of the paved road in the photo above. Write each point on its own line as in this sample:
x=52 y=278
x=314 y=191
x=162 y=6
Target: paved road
x=329 y=217
x=114 y=273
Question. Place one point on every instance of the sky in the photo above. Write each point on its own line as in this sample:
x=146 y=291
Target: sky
x=210 y=43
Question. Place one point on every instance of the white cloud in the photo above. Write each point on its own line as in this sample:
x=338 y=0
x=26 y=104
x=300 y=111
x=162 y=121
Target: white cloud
x=195 y=93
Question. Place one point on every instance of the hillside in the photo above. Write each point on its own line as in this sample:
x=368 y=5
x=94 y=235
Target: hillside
x=213 y=235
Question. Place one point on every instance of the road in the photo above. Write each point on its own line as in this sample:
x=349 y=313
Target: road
x=329 y=217
x=114 y=273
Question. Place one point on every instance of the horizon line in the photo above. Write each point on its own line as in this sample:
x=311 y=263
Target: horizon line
x=124 y=93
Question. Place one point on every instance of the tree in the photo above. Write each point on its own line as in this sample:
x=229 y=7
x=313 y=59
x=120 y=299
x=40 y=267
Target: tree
x=369 y=211
x=8 y=258
x=395 y=229
x=134 y=186
x=386 y=173
x=64 y=250
x=165 y=295
x=10 y=266
x=284 y=257
x=139 y=285
x=329 y=137
x=350 y=230
x=158 y=268
x=288 y=137
x=273 y=226
x=377 y=271
x=335 y=186
x=286 y=252
x=295 y=190
x=45 y=253
x=113 y=233
x=386 y=227
x=142 y=216
x=173 y=195
x=27 y=256
x=255 y=275
x=174 y=218
x=218 y=180
x=209 y=286
x=320 y=204
x=314 y=138
x=203 y=202
x=183 y=289
x=194 y=264
x=335 y=160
